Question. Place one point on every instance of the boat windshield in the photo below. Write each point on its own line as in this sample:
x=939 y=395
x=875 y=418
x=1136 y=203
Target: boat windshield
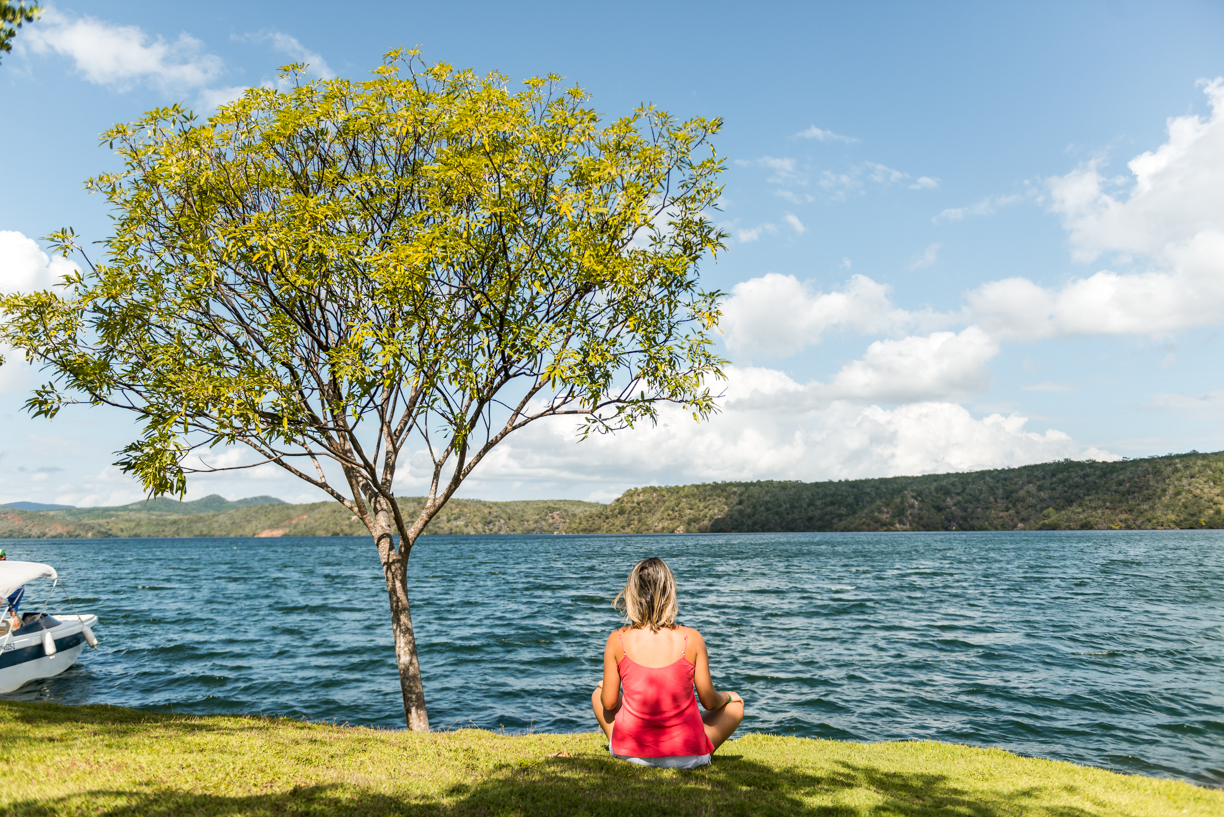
x=19 y=602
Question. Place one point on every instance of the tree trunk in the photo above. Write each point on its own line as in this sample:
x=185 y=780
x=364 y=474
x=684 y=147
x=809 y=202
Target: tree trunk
x=395 y=570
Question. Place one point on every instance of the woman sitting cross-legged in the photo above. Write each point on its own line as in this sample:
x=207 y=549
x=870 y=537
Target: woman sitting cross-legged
x=654 y=721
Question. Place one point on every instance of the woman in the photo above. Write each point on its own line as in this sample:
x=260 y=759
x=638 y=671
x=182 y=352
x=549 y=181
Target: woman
x=655 y=721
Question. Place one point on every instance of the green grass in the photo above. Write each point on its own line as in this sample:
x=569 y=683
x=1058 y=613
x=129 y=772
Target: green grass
x=106 y=760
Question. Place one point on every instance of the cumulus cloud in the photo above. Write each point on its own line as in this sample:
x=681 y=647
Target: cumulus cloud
x=1167 y=219
x=821 y=135
x=1174 y=197
x=941 y=365
x=1157 y=304
x=24 y=267
x=122 y=57
x=794 y=223
x=777 y=315
x=765 y=433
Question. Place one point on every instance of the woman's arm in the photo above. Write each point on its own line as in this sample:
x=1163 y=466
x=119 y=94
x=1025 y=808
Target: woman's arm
x=609 y=694
x=710 y=698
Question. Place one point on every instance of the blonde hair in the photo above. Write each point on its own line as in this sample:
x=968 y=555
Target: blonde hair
x=649 y=597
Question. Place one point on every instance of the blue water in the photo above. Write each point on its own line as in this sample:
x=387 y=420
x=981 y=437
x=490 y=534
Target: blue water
x=1100 y=648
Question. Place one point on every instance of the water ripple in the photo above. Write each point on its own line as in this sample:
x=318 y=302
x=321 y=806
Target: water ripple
x=1099 y=648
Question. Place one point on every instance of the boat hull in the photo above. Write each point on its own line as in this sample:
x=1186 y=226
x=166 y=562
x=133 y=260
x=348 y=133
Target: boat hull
x=24 y=659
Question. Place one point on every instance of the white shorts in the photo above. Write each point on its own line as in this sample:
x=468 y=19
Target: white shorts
x=678 y=762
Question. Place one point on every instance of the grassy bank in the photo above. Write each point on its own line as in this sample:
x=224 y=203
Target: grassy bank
x=110 y=761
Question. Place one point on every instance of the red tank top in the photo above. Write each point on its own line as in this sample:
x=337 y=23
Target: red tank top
x=658 y=715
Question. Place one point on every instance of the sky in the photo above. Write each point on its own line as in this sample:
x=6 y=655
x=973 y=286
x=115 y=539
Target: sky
x=962 y=235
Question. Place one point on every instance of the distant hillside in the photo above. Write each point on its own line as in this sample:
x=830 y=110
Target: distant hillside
x=267 y=516
x=1179 y=491
x=36 y=506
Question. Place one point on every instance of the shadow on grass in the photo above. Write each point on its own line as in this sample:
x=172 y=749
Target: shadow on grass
x=592 y=785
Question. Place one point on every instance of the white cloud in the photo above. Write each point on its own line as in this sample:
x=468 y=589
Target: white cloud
x=1156 y=304
x=785 y=170
x=795 y=198
x=1206 y=406
x=24 y=267
x=1175 y=195
x=290 y=47
x=794 y=223
x=822 y=135
x=122 y=57
x=777 y=315
x=882 y=174
x=788 y=174
x=1169 y=217
x=749 y=234
x=212 y=98
x=928 y=257
x=985 y=207
x=840 y=183
x=941 y=365
x=853 y=179
x=937 y=367
x=765 y=433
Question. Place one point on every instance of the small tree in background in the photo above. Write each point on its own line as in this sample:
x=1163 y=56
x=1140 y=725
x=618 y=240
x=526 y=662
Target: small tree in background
x=340 y=273
x=12 y=15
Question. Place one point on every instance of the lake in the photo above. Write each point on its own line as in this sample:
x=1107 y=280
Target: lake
x=1102 y=648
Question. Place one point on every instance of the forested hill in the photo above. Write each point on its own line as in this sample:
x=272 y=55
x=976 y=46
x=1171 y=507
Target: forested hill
x=269 y=517
x=1181 y=491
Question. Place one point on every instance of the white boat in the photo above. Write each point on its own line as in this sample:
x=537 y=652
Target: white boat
x=44 y=645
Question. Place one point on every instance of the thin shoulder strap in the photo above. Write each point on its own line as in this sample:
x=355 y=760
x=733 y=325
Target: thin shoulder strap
x=685 y=650
x=621 y=633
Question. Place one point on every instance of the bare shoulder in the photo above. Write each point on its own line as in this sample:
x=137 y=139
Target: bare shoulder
x=695 y=639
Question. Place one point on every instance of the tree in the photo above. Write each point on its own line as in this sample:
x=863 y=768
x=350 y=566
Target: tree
x=336 y=272
x=12 y=15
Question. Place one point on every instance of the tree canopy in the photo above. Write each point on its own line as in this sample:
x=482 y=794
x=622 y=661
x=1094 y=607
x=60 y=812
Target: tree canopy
x=12 y=15
x=336 y=274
